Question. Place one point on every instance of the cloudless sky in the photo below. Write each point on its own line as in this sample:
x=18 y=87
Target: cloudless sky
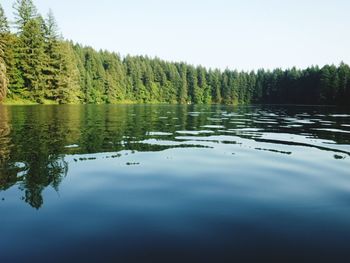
x=244 y=35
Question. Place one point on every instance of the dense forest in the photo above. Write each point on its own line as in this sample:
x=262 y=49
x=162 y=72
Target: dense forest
x=37 y=64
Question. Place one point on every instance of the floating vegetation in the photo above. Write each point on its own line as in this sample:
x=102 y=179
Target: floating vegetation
x=339 y=157
x=273 y=150
x=87 y=159
x=129 y=163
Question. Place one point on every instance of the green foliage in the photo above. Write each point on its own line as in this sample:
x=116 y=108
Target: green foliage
x=53 y=60
x=4 y=26
x=3 y=76
x=37 y=64
x=25 y=12
x=68 y=86
x=31 y=58
x=3 y=45
x=183 y=90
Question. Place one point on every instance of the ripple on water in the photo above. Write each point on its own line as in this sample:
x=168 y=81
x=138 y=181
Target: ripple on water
x=293 y=126
x=195 y=132
x=159 y=133
x=246 y=130
x=213 y=126
x=340 y=115
x=331 y=130
x=161 y=179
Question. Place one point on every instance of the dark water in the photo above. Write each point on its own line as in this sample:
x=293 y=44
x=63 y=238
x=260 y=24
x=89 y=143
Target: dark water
x=174 y=184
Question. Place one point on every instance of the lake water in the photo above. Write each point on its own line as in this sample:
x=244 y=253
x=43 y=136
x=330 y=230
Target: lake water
x=150 y=183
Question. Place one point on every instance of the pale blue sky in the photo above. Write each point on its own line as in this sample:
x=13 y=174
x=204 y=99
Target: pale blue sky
x=246 y=34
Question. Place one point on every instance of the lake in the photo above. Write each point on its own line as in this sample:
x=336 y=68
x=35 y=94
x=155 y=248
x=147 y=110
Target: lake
x=166 y=183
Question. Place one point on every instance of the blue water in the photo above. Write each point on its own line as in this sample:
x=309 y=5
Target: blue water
x=156 y=183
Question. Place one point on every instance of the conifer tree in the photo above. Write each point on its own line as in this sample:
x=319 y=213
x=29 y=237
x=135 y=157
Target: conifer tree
x=203 y=95
x=32 y=58
x=3 y=75
x=193 y=90
x=68 y=88
x=183 y=90
x=215 y=87
x=25 y=11
x=30 y=52
x=36 y=63
x=53 y=58
x=4 y=28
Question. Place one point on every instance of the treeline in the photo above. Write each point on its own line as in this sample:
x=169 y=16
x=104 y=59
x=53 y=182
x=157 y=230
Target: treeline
x=38 y=65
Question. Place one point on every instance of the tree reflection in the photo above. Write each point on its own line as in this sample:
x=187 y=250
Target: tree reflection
x=30 y=157
x=35 y=140
x=8 y=174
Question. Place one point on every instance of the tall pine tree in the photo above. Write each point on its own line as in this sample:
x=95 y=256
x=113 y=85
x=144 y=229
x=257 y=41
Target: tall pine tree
x=68 y=88
x=3 y=72
x=30 y=53
x=53 y=58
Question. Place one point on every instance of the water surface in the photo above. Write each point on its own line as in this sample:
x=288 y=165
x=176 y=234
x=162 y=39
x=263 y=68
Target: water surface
x=150 y=183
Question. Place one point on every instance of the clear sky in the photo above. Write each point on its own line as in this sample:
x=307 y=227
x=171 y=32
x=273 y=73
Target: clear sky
x=245 y=34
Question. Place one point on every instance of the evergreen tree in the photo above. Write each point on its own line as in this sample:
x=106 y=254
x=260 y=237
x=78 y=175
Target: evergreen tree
x=115 y=83
x=4 y=26
x=226 y=83
x=3 y=71
x=68 y=88
x=3 y=75
x=31 y=59
x=36 y=63
x=194 y=93
x=52 y=66
x=325 y=84
x=11 y=58
x=215 y=85
x=203 y=92
x=8 y=43
x=30 y=53
x=183 y=91
x=344 y=81
x=25 y=12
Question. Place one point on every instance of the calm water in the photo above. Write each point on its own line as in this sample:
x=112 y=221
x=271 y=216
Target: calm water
x=174 y=184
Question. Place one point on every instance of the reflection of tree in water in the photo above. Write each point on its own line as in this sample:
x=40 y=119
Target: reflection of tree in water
x=115 y=128
x=32 y=149
x=30 y=154
x=43 y=171
x=7 y=179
